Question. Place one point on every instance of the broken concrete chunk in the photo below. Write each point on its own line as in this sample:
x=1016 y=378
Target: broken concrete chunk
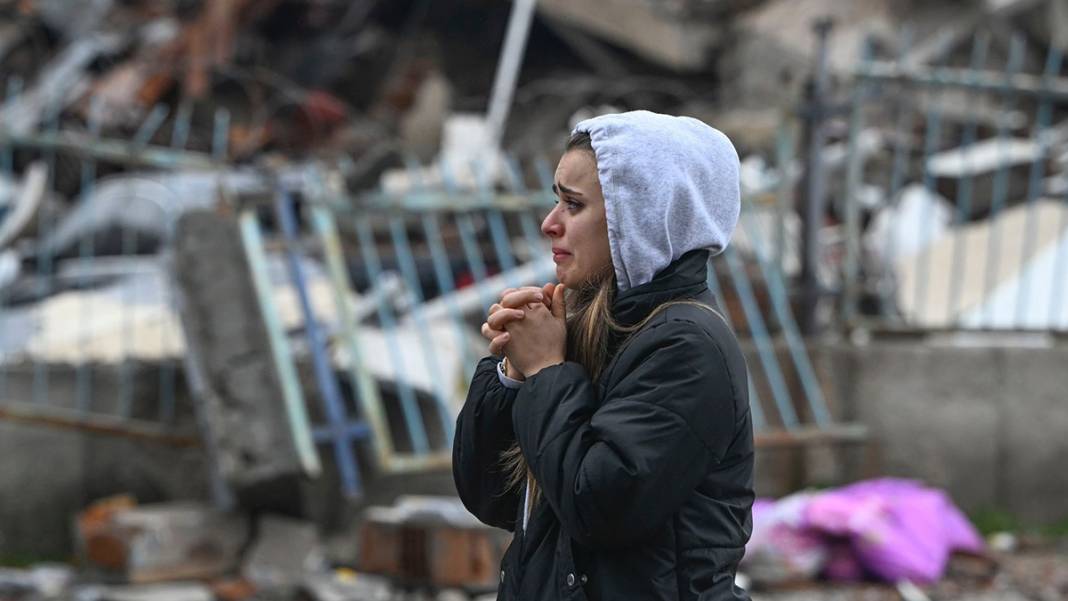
x=670 y=40
x=284 y=552
x=346 y=585
x=979 y=297
x=45 y=581
x=94 y=531
x=171 y=591
x=430 y=541
x=983 y=157
x=980 y=165
x=428 y=509
x=232 y=589
x=778 y=37
x=161 y=542
x=229 y=347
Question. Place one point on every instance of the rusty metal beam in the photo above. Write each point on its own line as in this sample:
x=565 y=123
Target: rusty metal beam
x=849 y=433
x=116 y=151
x=55 y=417
x=1024 y=84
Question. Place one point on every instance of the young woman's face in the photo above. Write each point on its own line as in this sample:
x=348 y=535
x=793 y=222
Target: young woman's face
x=577 y=225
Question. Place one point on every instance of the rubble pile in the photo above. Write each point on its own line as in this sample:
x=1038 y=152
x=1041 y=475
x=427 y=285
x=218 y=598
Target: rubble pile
x=137 y=136
x=131 y=113
x=187 y=551
x=880 y=539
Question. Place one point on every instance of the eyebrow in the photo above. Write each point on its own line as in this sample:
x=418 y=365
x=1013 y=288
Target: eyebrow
x=558 y=188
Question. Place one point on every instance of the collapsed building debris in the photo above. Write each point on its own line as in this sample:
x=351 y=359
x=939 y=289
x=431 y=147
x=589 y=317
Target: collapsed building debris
x=987 y=283
x=980 y=165
x=676 y=41
x=285 y=551
x=163 y=542
x=228 y=358
x=143 y=205
x=24 y=204
x=203 y=111
x=170 y=591
x=46 y=580
x=57 y=85
x=431 y=542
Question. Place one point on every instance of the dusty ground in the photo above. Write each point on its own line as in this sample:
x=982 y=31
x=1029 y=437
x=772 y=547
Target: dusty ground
x=1033 y=573
x=1039 y=574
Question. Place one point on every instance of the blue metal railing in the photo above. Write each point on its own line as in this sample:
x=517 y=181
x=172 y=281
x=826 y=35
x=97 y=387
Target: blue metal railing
x=974 y=273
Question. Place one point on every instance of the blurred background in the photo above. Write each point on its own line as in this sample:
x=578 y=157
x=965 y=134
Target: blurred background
x=246 y=246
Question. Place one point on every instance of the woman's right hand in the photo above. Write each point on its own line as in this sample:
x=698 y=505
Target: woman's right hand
x=511 y=307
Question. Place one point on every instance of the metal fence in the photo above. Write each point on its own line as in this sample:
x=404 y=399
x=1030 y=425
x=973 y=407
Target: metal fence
x=972 y=167
x=91 y=334
x=88 y=335
x=422 y=335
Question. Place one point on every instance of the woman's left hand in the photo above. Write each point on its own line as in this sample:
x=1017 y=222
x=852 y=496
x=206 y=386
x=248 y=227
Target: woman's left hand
x=540 y=338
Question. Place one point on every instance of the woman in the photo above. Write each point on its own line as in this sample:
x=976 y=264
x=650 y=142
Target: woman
x=614 y=438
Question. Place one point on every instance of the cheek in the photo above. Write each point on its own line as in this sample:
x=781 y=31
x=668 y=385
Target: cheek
x=594 y=252
x=601 y=244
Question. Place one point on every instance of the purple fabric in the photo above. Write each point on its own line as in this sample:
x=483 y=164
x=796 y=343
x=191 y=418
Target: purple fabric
x=780 y=550
x=899 y=529
x=842 y=563
x=889 y=528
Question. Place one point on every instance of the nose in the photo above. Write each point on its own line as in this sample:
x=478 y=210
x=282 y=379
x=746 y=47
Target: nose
x=551 y=225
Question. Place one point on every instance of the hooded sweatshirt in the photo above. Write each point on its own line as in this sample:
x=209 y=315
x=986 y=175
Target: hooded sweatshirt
x=670 y=186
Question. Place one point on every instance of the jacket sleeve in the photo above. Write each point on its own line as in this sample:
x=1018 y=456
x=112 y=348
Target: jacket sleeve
x=483 y=432
x=614 y=471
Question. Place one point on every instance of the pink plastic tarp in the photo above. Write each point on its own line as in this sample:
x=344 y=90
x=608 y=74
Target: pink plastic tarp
x=889 y=528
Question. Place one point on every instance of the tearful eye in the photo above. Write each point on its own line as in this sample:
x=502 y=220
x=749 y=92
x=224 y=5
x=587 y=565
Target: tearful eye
x=571 y=205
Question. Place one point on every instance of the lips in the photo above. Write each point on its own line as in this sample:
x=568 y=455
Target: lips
x=560 y=254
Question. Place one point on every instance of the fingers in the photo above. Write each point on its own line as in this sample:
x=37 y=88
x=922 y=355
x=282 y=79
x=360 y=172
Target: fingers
x=547 y=290
x=496 y=346
x=494 y=308
x=489 y=333
x=501 y=318
x=522 y=296
x=529 y=295
x=558 y=308
x=498 y=318
x=508 y=291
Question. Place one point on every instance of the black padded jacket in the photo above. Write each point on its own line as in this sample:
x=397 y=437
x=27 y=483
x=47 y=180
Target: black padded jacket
x=646 y=475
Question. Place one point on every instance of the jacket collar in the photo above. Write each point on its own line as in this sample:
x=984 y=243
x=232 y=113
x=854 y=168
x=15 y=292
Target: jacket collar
x=686 y=277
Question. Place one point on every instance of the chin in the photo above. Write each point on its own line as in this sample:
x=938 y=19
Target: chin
x=561 y=276
x=567 y=279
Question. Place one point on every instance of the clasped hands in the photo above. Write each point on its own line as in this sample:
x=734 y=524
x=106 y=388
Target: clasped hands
x=528 y=327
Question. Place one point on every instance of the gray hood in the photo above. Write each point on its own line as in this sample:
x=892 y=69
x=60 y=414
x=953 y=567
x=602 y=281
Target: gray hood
x=670 y=186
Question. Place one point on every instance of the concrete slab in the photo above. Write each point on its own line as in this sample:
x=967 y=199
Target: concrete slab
x=1035 y=434
x=933 y=414
x=41 y=475
x=48 y=475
